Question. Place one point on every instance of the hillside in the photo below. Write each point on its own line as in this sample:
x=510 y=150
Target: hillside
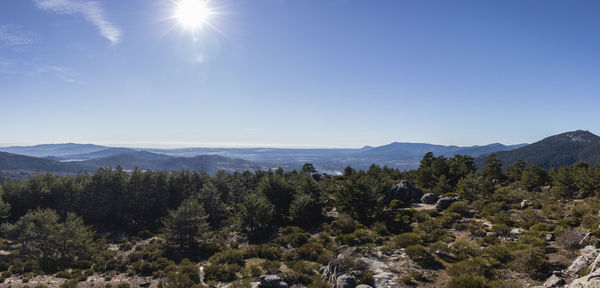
x=13 y=166
x=555 y=151
x=53 y=150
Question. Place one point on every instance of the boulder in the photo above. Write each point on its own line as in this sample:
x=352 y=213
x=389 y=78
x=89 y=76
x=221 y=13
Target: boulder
x=586 y=256
x=525 y=204
x=549 y=237
x=554 y=281
x=363 y=286
x=588 y=281
x=429 y=198
x=404 y=192
x=445 y=202
x=333 y=271
x=272 y=281
x=345 y=281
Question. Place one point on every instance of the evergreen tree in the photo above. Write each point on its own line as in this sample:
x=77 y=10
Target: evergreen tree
x=563 y=183
x=256 y=212
x=474 y=187
x=184 y=225
x=515 y=171
x=493 y=168
x=210 y=197
x=359 y=200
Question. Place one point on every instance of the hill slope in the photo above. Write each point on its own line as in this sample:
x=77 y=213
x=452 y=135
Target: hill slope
x=555 y=151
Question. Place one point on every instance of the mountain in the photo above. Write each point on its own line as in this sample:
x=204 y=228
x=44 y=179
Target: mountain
x=554 y=151
x=398 y=150
x=14 y=166
x=329 y=160
x=55 y=150
x=151 y=161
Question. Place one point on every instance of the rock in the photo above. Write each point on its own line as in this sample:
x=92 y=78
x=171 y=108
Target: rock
x=549 y=237
x=585 y=238
x=429 y=198
x=516 y=232
x=405 y=192
x=345 y=281
x=586 y=256
x=363 y=286
x=591 y=280
x=383 y=279
x=145 y=284
x=272 y=281
x=525 y=204
x=554 y=281
x=445 y=202
x=332 y=271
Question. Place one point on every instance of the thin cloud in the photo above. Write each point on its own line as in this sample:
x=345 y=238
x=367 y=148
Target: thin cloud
x=92 y=11
x=13 y=36
x=16 y=67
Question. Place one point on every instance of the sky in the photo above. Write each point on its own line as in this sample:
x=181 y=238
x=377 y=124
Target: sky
x=297 y=73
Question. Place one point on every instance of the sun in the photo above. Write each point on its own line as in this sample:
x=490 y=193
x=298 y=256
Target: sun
x=192 y=14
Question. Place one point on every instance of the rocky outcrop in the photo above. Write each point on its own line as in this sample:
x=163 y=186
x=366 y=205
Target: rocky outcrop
x=272 y=281
x=404 y=192
x=587 y=255
x=445 y=202
x=556 y=280
x=333 y=271
x=591 y=280
x=429 y=198
x=345 y=281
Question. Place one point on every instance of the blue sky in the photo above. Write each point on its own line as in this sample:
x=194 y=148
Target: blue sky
x=322 y=73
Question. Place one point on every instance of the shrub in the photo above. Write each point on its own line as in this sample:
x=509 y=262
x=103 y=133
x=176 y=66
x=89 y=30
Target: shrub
x=346 y=225
x=530 y=260
x=419 y=254
x=263 y=251
x=357 y=238
x=271 y=266
x=230 y=256
x=292 y=236
x=460 y=208
x=221 y=273
x=468 y=281
x=406 y=239
x=473 y=266
x=569 y=240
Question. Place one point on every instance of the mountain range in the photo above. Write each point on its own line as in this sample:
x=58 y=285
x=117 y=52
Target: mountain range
x=21 y=161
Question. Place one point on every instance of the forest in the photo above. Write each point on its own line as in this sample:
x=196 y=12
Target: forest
x=119 y=228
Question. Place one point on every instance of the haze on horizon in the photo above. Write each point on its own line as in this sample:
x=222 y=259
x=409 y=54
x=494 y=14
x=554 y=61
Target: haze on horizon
x=276 y=73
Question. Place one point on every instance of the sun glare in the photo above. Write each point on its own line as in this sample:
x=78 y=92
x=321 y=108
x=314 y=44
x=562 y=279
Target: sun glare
x=192 y=14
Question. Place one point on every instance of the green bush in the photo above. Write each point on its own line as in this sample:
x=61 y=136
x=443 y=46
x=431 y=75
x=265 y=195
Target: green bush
x=292 y=236
x=230 y=256
x=357 y=238
x=468 y=281
x=265 y=251
x=420 y=255
x=460 y=208
x=270 y=267
x=221 y=273
x=406 y=239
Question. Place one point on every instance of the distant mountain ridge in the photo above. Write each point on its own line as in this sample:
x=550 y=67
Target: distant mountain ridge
x=89 y=157
x=562 y=149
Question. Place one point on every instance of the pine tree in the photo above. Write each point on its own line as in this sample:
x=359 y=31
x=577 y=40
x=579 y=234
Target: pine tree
x=185 y=224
